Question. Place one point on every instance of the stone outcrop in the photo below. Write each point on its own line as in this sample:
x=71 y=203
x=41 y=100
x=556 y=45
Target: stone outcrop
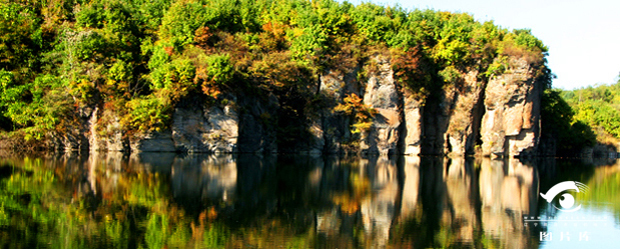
x=107 y=135
x=206 y=129
x=465 y=115
x=329 y=131
x=452 y=117
x=495 y=115
x=412 y=125
x=511 y=122
x=194 y=129
x=382 y=94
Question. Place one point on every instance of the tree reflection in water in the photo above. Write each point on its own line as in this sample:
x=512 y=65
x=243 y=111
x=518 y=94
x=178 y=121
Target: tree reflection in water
x=230 y=201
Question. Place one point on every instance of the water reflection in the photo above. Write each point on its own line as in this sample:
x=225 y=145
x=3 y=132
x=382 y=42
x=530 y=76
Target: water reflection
x=200 y=182
x=166 y=200
x=508 y=191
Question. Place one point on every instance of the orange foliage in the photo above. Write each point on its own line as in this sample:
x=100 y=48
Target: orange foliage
x=203 y=37
x=212 y=214
x=407 y=65
x=354 y=106
x=278 y=70
x=278 y=30
x=211 y=90
x=274 y=36
x=169 y=50
x=413 y=70
x=513 y=50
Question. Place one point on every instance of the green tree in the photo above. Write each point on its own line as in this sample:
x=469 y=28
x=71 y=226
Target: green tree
x=558 y=122
x=59 y=59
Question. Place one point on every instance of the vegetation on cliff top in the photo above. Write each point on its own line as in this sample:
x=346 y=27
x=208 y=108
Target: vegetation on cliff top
x=136 y=59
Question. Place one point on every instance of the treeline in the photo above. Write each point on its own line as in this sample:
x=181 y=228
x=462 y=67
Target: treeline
x=137 y=59
x=581 y=118
x=598 y=107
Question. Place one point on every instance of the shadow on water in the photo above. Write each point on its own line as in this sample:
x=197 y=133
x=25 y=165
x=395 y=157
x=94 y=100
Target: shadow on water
x=156 y=200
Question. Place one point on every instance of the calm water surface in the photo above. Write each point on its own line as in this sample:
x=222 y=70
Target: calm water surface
x=246 y=201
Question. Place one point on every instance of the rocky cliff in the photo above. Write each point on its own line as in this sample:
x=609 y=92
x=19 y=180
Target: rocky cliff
x=492 y=115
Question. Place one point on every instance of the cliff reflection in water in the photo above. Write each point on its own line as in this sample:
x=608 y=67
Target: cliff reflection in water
x=156 y=200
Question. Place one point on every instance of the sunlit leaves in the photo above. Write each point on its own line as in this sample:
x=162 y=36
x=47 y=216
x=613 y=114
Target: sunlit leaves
x=451 y=52
x=454 y=39
x=120 y=73
x=498 y=66
x=36 y=107
x=525 y=38
x=521 y=43
x=9 y=91
x=353 y=106
x=147 y=113
x=312 y=42
x=90 y=16
x=220 y=69
x=598 y=107
x=181 y=21
x=177 y=75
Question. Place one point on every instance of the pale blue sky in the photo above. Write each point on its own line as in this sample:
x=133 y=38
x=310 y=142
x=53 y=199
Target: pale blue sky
x=583 y=36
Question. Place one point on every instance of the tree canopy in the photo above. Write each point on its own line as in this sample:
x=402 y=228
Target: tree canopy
x=598 y=107
x=139 y=58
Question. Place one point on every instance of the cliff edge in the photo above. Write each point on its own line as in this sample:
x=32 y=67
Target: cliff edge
x=495 y=116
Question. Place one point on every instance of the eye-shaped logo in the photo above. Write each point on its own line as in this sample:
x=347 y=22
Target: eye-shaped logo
x=566 y=200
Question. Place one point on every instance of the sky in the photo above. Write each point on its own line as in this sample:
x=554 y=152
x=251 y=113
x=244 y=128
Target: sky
x=583 y=37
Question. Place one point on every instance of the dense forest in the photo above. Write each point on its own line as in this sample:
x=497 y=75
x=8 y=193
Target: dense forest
x=597 y=107
x=138 y=59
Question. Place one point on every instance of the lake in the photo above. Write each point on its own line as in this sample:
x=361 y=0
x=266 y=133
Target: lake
x=159 y=200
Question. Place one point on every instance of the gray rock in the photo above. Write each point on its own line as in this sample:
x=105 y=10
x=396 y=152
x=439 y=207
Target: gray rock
x=206 y=129
x=503 y=114
x=382 y=94
x=511 y=123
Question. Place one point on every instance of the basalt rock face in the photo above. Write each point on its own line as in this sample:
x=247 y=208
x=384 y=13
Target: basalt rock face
x=470 y=115
x=205 y=128
x=499 y=116
x=511 y=122
x=453 y=116
x=382 y=94
x=496 y=115
x=333 y=133
x=236 y=126
x=110 y=136
x=411 y=141
x=257 y=133
x=329 y=131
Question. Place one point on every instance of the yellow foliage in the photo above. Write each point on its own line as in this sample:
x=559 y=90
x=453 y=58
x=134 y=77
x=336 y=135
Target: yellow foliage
x=353 y=106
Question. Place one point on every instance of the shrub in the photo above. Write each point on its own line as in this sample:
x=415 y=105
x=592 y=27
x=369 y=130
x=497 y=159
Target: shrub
x=150 y=113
